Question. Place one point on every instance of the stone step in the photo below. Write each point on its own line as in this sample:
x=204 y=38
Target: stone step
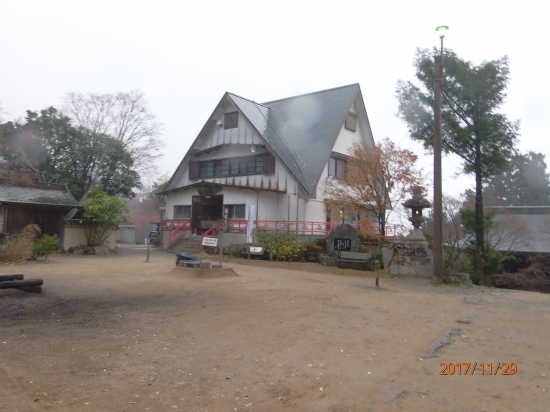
x=191 y=245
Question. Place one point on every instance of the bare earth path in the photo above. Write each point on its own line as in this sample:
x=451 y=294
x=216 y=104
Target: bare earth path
x=117 y=334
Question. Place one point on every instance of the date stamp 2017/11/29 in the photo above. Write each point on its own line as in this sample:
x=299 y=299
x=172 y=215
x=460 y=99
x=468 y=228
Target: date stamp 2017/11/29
x=467 y=368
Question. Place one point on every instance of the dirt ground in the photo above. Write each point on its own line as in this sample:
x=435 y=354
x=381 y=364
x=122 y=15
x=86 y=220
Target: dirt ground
x=114 y=333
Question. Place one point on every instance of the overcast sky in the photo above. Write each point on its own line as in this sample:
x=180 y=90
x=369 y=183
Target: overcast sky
x=184 y=55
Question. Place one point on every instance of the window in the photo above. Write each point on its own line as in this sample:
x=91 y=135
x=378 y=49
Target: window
x=336 y=167
x=351 y=122
x=207 y=169
x=235 y=211
x=233 y=167
x=182 y=212
x=231 y=120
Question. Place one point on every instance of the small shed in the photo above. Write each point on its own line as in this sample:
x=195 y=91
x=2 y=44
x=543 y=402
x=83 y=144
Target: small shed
x=126 y=234
x=26 y=202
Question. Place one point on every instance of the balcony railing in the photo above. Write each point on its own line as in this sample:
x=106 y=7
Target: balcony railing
x=300 y=227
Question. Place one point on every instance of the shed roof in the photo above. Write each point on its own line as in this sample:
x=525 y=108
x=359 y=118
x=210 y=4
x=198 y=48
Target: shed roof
x=37 y=193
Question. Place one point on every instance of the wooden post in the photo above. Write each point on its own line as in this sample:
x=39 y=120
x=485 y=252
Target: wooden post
x=220 y=254
x=147 y=260
x=377 y=269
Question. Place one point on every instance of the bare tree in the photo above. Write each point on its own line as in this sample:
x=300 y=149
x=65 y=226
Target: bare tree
x=124 y=116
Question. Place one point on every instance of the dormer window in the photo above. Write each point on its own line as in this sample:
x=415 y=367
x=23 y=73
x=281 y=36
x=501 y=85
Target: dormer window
x=351 y=122
x=231 y=120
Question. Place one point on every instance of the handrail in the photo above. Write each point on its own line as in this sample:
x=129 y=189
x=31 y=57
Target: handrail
x=185 y=225
x=214 y=230
x=240 y=225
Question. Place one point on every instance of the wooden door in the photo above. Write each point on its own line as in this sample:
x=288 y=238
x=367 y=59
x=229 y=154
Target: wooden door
x=196 y=214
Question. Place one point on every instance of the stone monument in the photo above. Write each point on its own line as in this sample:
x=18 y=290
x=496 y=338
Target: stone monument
x=413 y=257
x=343 y=238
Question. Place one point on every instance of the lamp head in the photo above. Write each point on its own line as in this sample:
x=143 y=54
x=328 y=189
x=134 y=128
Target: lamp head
x=441 y=30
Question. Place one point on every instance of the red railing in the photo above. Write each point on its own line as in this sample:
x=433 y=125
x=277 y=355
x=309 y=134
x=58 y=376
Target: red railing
x=300 y=227
x=173 y=223
x=214 y=230
x=180 y=227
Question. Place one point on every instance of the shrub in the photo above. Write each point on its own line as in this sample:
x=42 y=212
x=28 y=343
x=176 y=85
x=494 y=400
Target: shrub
x=44 y=246
x=18 y=247
x=377 y=256
x=156 y=241
x=103 y=213
x=281 y=245
x=311 y=252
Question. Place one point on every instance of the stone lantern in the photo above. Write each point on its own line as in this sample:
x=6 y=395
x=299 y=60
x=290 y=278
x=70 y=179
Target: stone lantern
x=413 y=256
x=416 y=204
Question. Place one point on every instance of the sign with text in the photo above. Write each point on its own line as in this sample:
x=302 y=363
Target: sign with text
x=343 y=245
x=210 y=241
x=154 y=231
x=256 y=250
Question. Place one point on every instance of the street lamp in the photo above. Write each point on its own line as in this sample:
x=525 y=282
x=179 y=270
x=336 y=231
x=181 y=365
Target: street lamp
x=438 y=192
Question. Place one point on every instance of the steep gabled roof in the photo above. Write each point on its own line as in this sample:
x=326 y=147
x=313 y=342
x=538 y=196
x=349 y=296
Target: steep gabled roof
x=301 y=130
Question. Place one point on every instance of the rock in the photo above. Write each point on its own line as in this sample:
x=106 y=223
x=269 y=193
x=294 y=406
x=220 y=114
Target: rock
x=443 y=339
x=340 y=235
x=458 y=278
x=388 y=395
x=472 y=300
x=327 y=260
x=101 y=250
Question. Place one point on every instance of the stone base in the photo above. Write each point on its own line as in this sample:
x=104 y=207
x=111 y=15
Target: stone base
x=458 y=278
x=411 y=270
x=327 y=260
x=193 y=264
x=412 y=266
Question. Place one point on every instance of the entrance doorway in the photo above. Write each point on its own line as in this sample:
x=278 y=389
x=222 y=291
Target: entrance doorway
x=206 y=211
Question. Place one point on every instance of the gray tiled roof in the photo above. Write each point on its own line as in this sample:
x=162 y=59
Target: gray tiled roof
x=535 y=222
x=12 y=191
x=520 y=229
x=301 y=130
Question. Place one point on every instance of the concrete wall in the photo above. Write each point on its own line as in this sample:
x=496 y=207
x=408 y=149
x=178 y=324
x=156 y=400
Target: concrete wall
x=76 y=235
x=127 y=234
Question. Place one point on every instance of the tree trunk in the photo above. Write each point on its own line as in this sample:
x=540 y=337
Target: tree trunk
x=382 y=229
x=479 y=229
x=93 y=183
x=21 y=283
x=11 y=277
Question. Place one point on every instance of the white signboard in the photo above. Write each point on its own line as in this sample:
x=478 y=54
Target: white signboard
x=256 y=250
x=210 y=241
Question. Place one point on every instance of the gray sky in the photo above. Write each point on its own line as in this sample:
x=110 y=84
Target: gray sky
x=185 y=54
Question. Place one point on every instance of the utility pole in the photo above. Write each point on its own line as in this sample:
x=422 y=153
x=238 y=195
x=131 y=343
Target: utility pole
x=438 y=190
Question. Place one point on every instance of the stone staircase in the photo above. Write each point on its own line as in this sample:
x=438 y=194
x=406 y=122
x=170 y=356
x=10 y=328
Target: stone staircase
x=191 y=244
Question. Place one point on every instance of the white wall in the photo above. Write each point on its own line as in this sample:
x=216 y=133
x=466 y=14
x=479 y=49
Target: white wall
x=240 y=140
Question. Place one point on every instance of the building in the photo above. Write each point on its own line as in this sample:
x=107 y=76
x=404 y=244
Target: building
x=275 y=156
x=520 y=229
x=26 y=202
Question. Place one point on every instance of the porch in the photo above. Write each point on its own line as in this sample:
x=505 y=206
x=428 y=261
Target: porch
x=178 y=227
